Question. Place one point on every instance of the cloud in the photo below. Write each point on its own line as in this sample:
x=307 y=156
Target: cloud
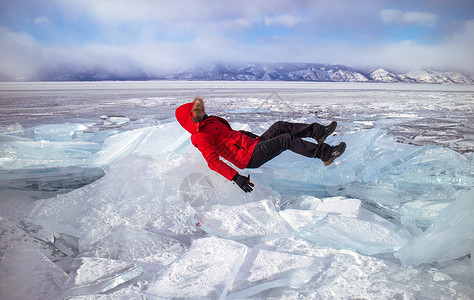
x=407 y=18
x=285 y=20
x=25 y=58
x=173 y=12
x=234 y=24
x=160 y=36
x=42 y=21
x=19 y=59
x=453 y=53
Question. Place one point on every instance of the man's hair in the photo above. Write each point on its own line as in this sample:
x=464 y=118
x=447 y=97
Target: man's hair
x=198 y=105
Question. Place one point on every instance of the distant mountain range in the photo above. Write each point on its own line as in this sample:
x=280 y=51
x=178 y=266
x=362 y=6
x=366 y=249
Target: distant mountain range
x=277 y=71
x=313 y=72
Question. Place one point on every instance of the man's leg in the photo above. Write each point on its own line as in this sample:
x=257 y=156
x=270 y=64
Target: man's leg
x=268 y=149
x=301 y=130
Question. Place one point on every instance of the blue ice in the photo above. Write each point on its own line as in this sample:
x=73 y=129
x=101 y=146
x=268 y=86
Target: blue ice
x=211 y=240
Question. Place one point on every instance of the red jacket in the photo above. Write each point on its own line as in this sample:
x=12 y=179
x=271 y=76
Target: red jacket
x=215 y=139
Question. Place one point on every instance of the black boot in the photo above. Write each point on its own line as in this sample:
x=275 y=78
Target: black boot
x=335 y=153
x=328 y=130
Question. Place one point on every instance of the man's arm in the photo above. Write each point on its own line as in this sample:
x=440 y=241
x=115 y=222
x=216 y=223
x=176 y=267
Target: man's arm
x=213 y=160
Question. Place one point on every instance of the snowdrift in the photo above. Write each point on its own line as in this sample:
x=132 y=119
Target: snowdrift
x=160 y=224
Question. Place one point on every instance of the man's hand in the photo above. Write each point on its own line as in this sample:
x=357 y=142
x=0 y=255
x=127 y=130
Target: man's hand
x=243 y=182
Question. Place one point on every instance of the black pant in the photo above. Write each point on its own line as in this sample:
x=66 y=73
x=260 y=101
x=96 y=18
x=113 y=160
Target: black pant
x=283 y=136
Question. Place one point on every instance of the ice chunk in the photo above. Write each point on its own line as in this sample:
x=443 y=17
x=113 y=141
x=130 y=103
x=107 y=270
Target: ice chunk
x=307 y=202
x=26 y=273
x=55 y=132
x=340 y=205
x=319 y=209
x=288 y=171
x=50 y=157
x=422 y=213
x=301 y=218
x=46 y=154
x=344 y=232
x=248 y=222
x=206 y=270
x=339 y=225
x=119 y=146
x=113 y=121
x=131 y=244
x=61 y=179
x=350 y=207
x=130 y=193
x=449 y=237
x=206 y=190
x=97 y=275
x=166 y=138
x=198 y=191
x=263 y=269
x=391 y=175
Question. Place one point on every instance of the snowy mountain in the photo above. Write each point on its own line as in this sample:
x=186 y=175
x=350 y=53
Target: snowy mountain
x=382 y=75
x=438 y=77
x=312 y=72
x=271 y=72
x=263 y=72
x=426 y=76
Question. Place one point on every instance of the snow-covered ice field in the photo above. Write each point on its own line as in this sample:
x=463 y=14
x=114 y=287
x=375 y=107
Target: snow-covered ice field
x=102 y=195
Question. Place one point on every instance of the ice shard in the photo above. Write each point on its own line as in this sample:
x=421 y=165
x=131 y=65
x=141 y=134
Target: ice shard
x=206 y=270
x=264 y=269
x=249 y=222
x=118 y=146
x=98 y=275
x=451 y=236
x=349 y=233
x=341 y=223
x=140 y=246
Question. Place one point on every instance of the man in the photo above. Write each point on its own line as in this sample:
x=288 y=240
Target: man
x=214 y=137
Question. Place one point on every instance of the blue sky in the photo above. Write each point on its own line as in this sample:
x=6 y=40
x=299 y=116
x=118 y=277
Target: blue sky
x=155 y=36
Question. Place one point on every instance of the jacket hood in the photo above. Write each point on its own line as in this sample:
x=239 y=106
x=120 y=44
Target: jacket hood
x=184 y=116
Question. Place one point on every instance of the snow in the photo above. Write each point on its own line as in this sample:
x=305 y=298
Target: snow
x=125 y=207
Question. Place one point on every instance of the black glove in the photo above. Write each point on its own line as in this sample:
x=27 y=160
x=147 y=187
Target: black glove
x=243 y=182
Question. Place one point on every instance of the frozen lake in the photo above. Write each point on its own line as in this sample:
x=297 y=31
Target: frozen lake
x=103 y=196
x=414 y=113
